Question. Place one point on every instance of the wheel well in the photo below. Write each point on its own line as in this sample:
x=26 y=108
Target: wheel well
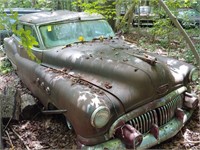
x=51 y=106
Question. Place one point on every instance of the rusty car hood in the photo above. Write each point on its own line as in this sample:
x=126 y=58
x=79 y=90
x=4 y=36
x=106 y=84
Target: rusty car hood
x=116 y=67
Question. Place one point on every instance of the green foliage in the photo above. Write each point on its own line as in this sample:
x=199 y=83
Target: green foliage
x=174 y=4
x=27 y=40
x=188 y=56
x=4 y=19
x=28 y=3
x=196 y=5
x=5 y=66
x=162 y=27
x=15 y=3
x=104 y=7
x=198 y=47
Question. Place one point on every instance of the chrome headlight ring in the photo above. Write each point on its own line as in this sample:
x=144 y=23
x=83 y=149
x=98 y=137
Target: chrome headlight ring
x=100 y=117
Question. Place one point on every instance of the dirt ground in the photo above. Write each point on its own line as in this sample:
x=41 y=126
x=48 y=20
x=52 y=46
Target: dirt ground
x=38 y=132
x=51 y=132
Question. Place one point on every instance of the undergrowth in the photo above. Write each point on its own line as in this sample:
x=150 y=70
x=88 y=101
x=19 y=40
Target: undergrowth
x=5 y=66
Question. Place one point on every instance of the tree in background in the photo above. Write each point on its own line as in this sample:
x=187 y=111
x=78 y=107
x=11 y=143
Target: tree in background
x=104 y=7
x=52 y=4
x=196 y=5
x=112 y=10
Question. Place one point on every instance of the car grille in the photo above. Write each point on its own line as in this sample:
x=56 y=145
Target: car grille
x=159 y=116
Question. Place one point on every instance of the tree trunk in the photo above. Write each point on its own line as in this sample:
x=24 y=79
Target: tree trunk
x=130 y=18
x=33 y=3
x=118 y=13
x=59 y=5
x=126 y=17
x=1 y=143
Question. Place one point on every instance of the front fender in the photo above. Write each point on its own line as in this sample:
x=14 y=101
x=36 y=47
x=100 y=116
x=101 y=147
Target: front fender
x=69 y=92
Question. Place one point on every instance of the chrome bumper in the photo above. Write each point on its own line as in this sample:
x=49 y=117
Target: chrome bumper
x=165 y=132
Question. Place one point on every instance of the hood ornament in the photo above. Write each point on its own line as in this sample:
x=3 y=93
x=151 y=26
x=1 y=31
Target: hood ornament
x=147 y=58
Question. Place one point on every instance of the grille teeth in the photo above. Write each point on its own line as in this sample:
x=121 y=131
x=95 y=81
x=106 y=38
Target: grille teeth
x=141 y=125
x=155 y=116
x=159 y=116
x=146 y=122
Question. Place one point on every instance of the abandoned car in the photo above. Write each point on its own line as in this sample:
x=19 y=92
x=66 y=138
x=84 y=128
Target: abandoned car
x=112 y=94
x=188 y=17
x=144 y=16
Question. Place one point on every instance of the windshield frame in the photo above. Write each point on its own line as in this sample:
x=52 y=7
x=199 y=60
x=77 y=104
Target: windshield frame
x=44 y=29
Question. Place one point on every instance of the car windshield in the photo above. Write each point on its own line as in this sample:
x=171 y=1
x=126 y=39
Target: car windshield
x=64 y=33
x=143 y=10
x=188 y=13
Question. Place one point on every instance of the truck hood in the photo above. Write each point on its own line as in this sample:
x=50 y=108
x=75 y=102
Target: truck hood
x=116 y=67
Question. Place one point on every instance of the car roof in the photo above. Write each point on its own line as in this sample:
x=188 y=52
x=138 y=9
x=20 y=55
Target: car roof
x=21 y=11
x=56 y=16
x=186 y=9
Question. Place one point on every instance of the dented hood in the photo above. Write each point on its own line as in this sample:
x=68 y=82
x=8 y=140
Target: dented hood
x=116 y=67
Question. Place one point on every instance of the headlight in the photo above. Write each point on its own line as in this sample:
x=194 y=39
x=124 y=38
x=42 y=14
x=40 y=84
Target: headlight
x=194 y=75
x=100 y=117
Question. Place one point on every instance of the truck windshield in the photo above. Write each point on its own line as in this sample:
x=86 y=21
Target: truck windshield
x=64 y=33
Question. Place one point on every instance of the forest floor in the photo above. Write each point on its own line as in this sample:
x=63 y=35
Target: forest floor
x=51 y=132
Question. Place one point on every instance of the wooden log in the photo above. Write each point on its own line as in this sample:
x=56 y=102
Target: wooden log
x=16 y=104
x=8 y=101
x=29 y=106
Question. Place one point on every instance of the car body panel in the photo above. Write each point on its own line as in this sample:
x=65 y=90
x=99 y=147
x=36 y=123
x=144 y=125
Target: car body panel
x=57 y=16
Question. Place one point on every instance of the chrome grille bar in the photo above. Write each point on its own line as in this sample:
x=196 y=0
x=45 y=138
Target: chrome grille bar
x=159 y=116
x=143 y=123
x=155 y=116
x=146 y=122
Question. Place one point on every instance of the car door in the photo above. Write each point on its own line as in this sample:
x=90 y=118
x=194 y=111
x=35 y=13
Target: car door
x=197 y=18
